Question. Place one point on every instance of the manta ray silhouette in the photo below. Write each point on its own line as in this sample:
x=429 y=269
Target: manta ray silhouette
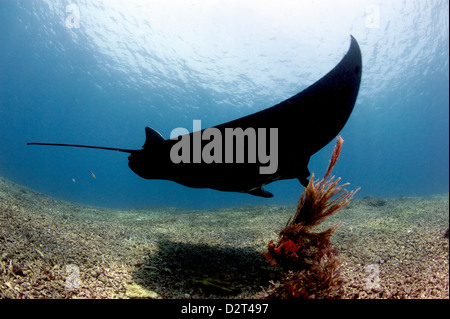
x=305 y=123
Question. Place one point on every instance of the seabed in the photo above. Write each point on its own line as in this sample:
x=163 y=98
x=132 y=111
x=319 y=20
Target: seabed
x=393 y=248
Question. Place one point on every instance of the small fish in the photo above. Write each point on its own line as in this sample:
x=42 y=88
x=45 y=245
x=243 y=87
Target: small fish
x=93 y=175
x=73 y=180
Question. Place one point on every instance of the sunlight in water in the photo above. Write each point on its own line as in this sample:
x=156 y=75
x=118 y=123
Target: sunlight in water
x=255 y=46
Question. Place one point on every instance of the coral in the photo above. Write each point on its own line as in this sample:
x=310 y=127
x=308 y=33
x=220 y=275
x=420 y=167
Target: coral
x=310 y=259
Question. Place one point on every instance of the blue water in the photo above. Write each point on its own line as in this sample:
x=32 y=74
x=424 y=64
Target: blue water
x=163 y=64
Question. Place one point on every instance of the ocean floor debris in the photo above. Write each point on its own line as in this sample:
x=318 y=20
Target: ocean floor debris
x=164 y=250
x=135 y=291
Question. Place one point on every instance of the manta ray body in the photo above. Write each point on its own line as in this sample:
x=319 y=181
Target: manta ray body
x=305 y=123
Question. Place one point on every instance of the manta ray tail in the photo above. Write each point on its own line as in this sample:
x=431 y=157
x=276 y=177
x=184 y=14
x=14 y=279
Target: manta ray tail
x=87 y=146
x=152 y=136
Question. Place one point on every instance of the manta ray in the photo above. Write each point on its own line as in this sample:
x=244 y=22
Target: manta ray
x=303 y=124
